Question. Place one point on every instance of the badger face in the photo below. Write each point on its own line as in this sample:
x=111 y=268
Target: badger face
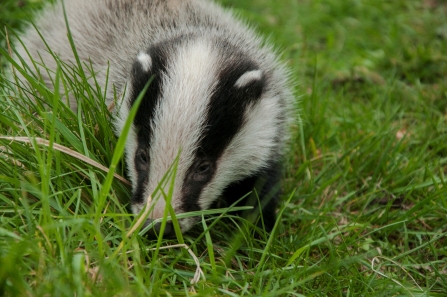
x=210 y=106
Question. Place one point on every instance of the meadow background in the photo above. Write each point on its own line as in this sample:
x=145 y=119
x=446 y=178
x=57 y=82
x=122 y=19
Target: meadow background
x=364 y=205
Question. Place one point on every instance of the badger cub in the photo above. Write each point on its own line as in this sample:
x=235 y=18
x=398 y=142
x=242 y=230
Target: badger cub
x=219 y=99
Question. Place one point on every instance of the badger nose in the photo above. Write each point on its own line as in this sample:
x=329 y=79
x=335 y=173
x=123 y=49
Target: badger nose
x=154 y=232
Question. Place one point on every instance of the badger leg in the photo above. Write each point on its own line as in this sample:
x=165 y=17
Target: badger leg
x=265 y=190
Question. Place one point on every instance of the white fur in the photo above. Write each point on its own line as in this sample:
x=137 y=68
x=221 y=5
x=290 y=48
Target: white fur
x=145 y=61
x=248 y=77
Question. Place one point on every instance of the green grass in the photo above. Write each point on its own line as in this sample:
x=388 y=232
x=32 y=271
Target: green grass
x=364 y=208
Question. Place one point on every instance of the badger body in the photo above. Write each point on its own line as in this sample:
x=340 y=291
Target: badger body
x=217 y=105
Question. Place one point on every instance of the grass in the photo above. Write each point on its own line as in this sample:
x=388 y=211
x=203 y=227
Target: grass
x=364 y=209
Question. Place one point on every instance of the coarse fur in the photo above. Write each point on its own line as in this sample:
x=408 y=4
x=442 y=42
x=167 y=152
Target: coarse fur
x=219 y=99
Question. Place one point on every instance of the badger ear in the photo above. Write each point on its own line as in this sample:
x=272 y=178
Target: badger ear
x=248 y=78
x=145 y=61
x=251 y=82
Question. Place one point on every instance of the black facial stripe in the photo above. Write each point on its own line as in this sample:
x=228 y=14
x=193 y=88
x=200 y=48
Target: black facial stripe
x=139 y=80
x=225 y=112
x=192 y=187
x=225 y=116
x=146 y=111
x=142 y=180
x=190 y=194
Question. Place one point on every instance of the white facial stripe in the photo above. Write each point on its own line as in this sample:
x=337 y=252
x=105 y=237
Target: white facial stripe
x=248 y=77
x=180 y=115
x=249 y=151
x=145 y=61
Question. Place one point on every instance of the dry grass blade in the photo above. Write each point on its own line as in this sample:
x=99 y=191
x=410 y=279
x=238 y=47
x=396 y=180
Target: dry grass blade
x=199 y=273
x=394 y=280
x=67 y=151
x=142 y=217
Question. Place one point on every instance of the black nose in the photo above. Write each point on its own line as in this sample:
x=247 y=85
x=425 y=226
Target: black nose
x=154 y=232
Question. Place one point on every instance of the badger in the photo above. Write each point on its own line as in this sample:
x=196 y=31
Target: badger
x=218 y=102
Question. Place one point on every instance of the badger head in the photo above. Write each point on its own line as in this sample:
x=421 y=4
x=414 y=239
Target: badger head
x=212 y=106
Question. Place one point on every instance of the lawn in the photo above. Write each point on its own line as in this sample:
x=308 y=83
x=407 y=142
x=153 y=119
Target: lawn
x=364 y=208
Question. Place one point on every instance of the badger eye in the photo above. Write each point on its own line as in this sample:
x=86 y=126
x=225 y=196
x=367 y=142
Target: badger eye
x=203 y=172
x=203 y=167
x=142 y=157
